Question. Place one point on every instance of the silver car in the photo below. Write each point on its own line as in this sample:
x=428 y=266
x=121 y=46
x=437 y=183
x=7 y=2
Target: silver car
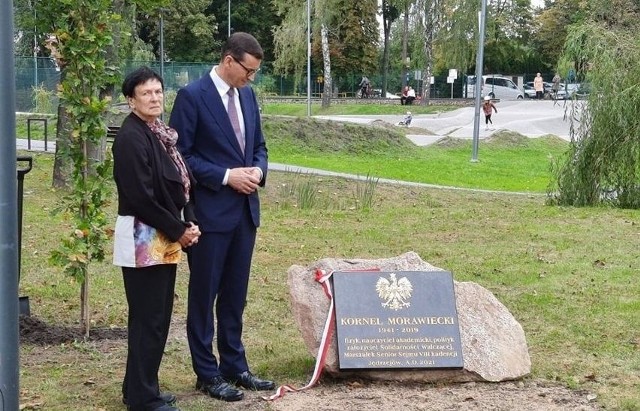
x=501 y=87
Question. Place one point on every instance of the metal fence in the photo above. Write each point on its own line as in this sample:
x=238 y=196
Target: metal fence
x=37 y=78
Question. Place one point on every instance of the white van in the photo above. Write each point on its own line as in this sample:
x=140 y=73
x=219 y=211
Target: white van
x=495 y=86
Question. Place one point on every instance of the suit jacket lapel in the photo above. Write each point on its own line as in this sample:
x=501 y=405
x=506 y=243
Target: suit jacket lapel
x=213 y=102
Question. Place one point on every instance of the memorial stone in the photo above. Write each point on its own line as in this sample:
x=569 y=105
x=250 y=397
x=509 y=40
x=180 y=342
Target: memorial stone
x=403 y=319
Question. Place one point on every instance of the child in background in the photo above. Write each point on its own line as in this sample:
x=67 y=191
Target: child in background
x=406 y=121
x=487 y=107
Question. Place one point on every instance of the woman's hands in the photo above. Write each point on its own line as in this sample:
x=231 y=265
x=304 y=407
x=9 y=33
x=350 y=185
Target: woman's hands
x=190 y=236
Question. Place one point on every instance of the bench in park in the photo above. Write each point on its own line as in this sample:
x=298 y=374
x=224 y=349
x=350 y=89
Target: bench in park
x=111 y=133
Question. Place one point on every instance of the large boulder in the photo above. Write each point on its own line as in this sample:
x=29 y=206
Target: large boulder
x=493 y=342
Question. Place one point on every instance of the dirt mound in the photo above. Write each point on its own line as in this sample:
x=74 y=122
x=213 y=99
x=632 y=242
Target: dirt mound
x=507 y=138
x=384 y=124
x=521 y=396
x=36 y=332
x=450 y=142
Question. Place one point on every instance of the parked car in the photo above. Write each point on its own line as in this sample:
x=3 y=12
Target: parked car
x=501 y=87
x=583 y=90
x=562 y=93
x=529 y=91
x=566 y=91
x=572 y=89
x=496 y=86
x=546 y=86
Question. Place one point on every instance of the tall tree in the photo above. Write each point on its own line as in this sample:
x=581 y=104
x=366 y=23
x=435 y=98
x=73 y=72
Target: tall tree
x=26 y=37
x=252 y=16
x=457 y=41
x=355 y=34
x=431 y=25
x=322 y=17
x=602 y=165
x=508 y=27
x=350 y=37
x=290 y=39
x=552 y=25
x=390 y=13
x=188 y=31
x=327 y=94
x=405 y=41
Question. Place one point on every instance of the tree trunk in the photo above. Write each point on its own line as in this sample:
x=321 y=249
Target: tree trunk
x=430 y=27
x=386 y=25
x=405 y=35
x=62 y=167
x=326 y=63
x=85 y=312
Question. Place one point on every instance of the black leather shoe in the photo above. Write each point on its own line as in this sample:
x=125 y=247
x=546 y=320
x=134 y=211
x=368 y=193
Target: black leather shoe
x=220 y=389
x=167 y=397
x=251 y=382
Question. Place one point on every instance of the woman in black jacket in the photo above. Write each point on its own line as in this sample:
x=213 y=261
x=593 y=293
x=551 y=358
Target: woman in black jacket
x=155 y=223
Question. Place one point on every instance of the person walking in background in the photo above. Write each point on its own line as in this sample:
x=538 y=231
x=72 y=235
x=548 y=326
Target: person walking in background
x=556 y=85
x=365 y=87
x=155 y=222
x=538 y=86
x=218 y=120
x=487 y=107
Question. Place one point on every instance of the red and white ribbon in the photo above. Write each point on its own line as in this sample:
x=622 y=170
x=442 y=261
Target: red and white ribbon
x=323 y=278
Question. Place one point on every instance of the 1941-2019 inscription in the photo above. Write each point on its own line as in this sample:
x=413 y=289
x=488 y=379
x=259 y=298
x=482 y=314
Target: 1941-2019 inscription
x=396 y=320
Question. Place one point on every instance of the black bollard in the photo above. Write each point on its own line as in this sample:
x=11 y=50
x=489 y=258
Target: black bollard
x=25 y=309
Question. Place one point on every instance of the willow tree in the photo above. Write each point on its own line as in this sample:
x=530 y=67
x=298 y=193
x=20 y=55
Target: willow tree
x=290 y=39
x=602 y=165
x=431 y=24
x=345 y=37
x=457 y=41
x=390 y=13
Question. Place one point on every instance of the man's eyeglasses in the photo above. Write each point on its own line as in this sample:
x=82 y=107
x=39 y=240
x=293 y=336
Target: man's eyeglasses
x=250 y=72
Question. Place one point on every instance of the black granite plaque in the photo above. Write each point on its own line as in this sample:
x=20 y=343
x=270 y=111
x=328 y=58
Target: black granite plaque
x=402 y=319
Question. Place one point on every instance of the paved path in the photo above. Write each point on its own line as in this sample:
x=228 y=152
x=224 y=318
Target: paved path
x=36 y=145
x=530 y=118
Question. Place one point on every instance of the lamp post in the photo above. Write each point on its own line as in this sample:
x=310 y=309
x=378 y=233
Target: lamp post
x=407 y=65
x=162 y=54
x=308 y=58
x=35 y=48
x=479 y=64
x=229 y=19
x=9 y=329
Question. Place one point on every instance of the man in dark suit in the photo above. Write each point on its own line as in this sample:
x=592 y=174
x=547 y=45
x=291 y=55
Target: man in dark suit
x=220 y=136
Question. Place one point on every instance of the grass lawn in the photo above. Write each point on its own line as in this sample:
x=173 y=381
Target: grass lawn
x=568 y=275
x=509 y=161
x=300 y=109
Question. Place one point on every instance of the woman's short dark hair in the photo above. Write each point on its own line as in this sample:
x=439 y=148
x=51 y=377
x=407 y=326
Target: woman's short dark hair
x=240 y=43
x=139 y=76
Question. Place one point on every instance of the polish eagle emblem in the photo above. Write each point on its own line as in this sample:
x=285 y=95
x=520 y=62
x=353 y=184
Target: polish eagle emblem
x=394 y=292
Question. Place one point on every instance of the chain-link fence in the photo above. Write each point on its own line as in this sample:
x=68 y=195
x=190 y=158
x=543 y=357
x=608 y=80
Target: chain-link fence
x=37 y=78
